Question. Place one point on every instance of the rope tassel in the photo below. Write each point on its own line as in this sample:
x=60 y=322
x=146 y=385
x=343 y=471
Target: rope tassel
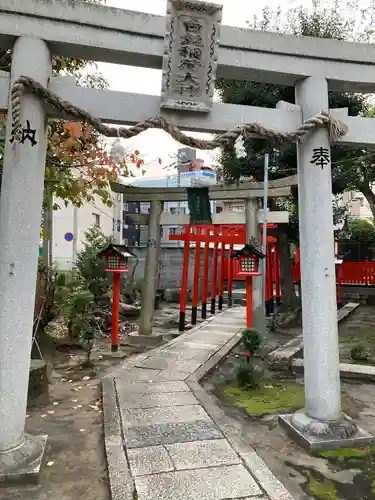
x=25 y=84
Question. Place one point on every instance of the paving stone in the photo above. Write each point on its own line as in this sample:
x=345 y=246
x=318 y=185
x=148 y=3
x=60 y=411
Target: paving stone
x=139 y=375
x=139 y=436
x=215 y=483
x=199 y=345
x=171 y=414
x=175 y=375
x=157 y=399
x=216 y=340
x=150 y=388
x=200 y=454
x=154 y=363
x=149 y=460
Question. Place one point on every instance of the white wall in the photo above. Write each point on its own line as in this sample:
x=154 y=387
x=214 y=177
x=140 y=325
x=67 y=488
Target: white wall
x=63 y=222
x=358 y=205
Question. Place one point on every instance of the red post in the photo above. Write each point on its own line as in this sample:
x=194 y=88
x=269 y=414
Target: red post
x=277 y=275
x=230 y=277
x=115 y=311
x=338 y=281
x=197 y=267
x=249 y=301
x=221 y=276
x=184 y=281
x=271 y=273
x=206 y=263
x=214 y=278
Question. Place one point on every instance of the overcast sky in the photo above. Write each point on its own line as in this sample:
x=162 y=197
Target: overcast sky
x=156 y=143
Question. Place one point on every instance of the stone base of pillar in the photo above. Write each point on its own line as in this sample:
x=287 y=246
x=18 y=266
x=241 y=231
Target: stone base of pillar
x=142 y=340
x=23 y=464
x=314 y=435
x=114 y=355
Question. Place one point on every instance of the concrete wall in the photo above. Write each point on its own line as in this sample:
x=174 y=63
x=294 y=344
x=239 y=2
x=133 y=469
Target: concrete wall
x=171 y=273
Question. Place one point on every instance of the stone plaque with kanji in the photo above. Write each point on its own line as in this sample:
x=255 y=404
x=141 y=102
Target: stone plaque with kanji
x=190 y=55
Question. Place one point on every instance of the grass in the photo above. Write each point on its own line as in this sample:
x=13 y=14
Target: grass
x=268 y=398
x=322 y=490
x=342 y=454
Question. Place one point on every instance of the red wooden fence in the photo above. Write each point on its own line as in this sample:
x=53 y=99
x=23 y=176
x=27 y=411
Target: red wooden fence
x=351 y=273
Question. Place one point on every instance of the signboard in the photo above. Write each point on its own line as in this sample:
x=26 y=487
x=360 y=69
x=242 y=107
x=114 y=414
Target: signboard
x=190 y=55
x=68 y=237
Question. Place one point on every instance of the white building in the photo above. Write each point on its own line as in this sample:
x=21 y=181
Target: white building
x=358 y=205
x=184 y=179
x=77 y=221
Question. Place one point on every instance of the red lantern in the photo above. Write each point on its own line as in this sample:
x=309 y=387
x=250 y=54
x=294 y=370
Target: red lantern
x=249 y=265
x=116 y=257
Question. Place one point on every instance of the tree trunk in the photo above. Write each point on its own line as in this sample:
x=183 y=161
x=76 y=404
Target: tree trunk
x=288 y=294
x=370 y=197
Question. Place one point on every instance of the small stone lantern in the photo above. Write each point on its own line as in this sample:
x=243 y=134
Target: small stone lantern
x=116 y=257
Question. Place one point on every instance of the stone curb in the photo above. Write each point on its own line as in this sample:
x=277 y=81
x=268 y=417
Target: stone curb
x=121 y=483
x=232 y=429
x=347 y=370
x=282 y=358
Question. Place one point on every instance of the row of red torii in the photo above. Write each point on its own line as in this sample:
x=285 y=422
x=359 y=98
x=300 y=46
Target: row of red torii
x=221 y=240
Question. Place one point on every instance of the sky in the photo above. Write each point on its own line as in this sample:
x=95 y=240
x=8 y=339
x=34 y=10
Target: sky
x=155 y=143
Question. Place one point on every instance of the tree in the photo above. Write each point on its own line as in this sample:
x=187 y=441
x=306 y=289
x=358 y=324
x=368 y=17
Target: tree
x=319 y=22
x=357 y=240
x=74 y=166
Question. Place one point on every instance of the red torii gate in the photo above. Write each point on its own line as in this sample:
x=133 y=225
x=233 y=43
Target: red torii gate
x=219 y=237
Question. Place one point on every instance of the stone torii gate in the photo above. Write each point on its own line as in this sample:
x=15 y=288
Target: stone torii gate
x=190 y=55
x=248 y=193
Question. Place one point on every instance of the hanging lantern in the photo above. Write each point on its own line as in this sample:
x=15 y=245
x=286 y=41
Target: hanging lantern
x=248 y=257
x=116 y=257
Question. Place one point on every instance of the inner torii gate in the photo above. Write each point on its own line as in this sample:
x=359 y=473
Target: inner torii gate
x=313 y=66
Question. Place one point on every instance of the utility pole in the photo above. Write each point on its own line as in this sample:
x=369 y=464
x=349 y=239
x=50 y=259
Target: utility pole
x=75 y=236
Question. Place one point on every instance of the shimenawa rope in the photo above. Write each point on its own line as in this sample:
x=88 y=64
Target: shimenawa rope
x=25 y=84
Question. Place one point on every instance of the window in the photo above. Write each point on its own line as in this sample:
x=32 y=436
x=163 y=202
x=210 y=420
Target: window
x=96 y=220
x=238 y=208
x=182 y=210
x=161 y=232
x=126 y=207
x=172 y=230
x=173 y=210
x=219 y=210
x=126 y=241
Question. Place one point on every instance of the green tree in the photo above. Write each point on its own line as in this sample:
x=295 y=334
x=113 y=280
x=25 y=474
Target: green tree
x=319 y=22
x=73 y=171
x=357 y=241
x=91 y=267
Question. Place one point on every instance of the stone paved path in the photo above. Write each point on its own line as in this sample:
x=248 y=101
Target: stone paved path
x=178 y=444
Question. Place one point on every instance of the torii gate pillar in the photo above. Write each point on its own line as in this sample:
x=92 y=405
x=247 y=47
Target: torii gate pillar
x=21 y=199
x=320 y=425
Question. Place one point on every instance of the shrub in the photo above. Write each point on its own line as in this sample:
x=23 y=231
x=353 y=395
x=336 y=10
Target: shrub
x=360 y=352
x=247 y=376
x=251 y=340
x=91 y=267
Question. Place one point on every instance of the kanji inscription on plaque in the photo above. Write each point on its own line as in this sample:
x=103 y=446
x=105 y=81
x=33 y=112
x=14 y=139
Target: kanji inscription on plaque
x=190 y=55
